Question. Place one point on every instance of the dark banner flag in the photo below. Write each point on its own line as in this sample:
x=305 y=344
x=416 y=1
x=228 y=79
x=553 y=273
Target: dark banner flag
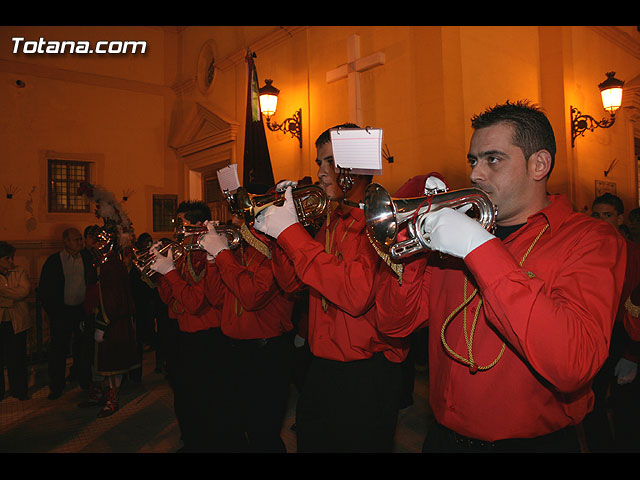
x=257 y=171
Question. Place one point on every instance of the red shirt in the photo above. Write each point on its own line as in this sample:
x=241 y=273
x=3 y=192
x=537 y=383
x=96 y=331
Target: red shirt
x=342 y=281
x=555 y=314
x=182 y=290
x=254 y=306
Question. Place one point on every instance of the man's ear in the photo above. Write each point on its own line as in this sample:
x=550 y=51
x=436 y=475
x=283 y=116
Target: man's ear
x=539 y=164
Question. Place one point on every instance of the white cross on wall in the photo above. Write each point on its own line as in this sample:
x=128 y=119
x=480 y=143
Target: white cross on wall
x=351 y=71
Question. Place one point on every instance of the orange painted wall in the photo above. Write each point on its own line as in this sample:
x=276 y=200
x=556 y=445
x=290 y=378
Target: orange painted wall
x=122 y=111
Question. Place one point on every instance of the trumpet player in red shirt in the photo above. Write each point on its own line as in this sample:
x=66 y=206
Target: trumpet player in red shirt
x=519 y=320
x=349 y=401
x=200 y=365
x=256 y=323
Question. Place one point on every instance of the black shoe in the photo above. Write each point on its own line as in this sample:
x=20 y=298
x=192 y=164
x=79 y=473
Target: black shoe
x=54 y=394
x=21 y=396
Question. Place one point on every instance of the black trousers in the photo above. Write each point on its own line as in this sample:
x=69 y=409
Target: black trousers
x=198 y=401
x=166 y=345
x=349 y=406
x=440 y=439
x=625 y=404
x=260 y=373
x=66 y=334
x=622 y=400
x=13 y=346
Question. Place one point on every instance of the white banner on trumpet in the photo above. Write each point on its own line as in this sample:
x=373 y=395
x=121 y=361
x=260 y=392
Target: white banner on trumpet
x=358 y=149
x=228 y=178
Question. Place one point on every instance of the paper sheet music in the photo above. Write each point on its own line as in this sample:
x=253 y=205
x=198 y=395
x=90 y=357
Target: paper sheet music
x=228 y=178
x=358 y=149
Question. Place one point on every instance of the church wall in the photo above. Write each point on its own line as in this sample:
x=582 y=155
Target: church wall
x=111 y=110
x=593 y=55
x=121 y=112
x=433 y=80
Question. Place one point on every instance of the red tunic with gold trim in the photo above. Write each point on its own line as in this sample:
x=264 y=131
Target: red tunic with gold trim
x=254 y=306
x=340 y=267
x=183 y=291
x=111 y=302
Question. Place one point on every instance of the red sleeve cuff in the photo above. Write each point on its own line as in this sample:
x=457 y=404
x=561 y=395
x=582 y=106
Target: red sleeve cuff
x=491 y=261
x=173 y=277
x=224 y=258
x=293 y=236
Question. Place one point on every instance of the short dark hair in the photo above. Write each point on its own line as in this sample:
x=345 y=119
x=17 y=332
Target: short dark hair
x=6 y=249
x=532 y=130
x=610 y=199
x=91 y=231
x=325 y=137
x=195 y=211
x=144 y=241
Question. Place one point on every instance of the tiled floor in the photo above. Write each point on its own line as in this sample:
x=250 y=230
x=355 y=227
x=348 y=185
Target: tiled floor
x=145 y=422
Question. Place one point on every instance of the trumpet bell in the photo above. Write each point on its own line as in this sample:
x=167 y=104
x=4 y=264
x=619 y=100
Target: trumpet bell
x=386 y=215
x=143 y=257
x=380 y=212
x=190 y=236
x=311 y=203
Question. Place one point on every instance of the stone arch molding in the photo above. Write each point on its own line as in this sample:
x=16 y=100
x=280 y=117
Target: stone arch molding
x=204 y=142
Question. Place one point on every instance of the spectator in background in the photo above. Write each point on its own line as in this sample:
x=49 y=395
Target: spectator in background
x=63 y=282
x=85 y=345
x=15 y=321
x=609 y=207
x=616 y=386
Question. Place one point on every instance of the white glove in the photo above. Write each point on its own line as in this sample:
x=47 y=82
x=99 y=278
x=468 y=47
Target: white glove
x=213 y=242
x=162 y=264
x=282 y=186
x=98 y=335
x=452 y=232
x=434 y=185
x=298 y=341
x=626 y=371
x=274 y=220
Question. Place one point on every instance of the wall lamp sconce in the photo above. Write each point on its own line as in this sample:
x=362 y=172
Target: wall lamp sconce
x=126 y=193
x=10 y=190
x=268 y=104
x=611 y=92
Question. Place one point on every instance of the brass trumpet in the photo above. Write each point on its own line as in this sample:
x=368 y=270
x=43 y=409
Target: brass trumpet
x=385 y=216
x=188 y=240
x=189 y=236
x=310 y=201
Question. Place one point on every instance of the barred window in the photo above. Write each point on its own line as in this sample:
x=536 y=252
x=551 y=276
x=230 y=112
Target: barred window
x=64 y=178
x=164 y=212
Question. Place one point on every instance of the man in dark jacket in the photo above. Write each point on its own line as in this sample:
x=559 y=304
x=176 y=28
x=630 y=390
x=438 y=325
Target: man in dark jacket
x=62 y=285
